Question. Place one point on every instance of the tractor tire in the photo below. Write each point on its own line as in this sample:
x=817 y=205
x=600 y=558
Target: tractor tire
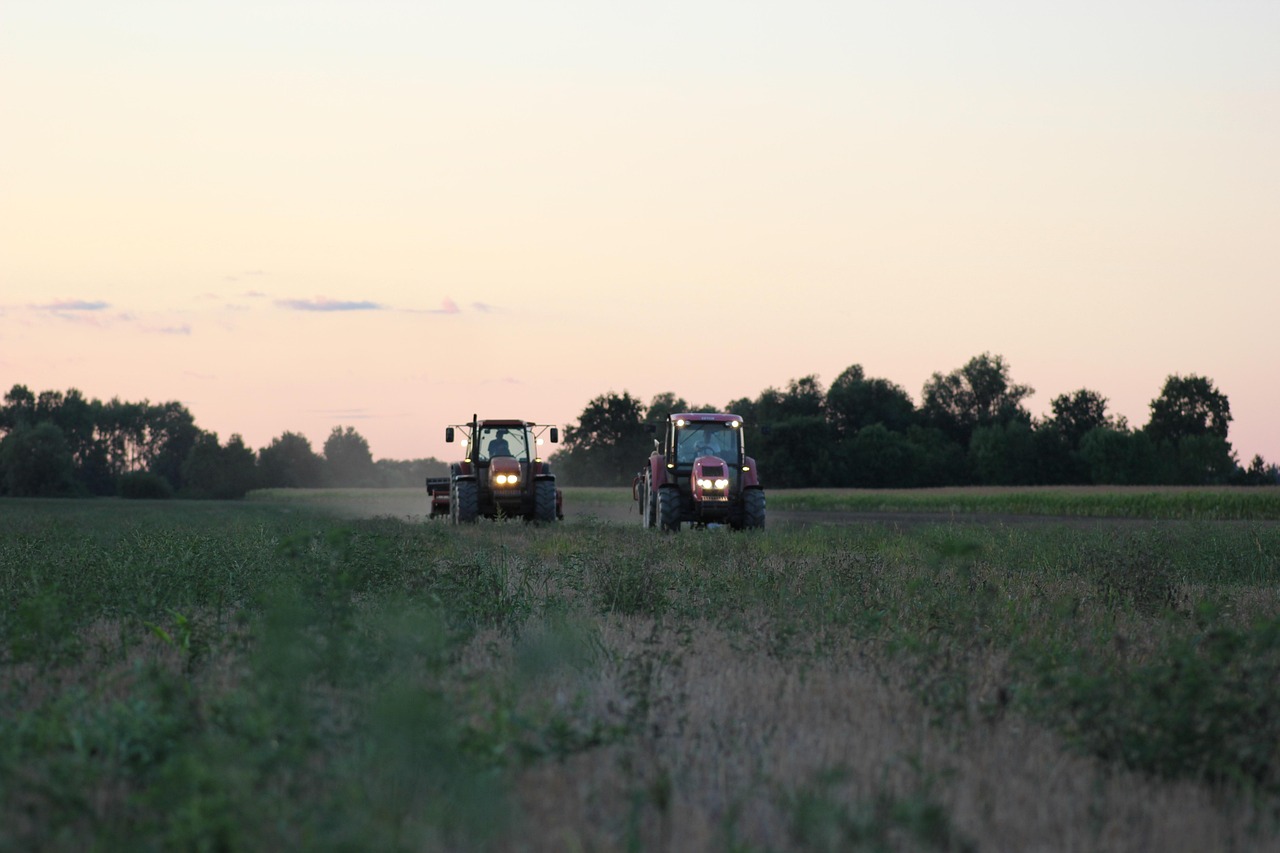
x=753 y=509
x=544 y=500
x=466 y=502
x=648 y=504
x=669 y=508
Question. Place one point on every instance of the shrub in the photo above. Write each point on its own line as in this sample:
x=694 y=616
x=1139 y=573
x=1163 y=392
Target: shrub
x=144 y=485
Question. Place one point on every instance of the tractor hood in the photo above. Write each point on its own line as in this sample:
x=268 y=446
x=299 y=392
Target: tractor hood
x=712 y=479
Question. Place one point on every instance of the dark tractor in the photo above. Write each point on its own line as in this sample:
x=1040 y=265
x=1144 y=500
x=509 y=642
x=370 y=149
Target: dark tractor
x=699 y=474
x=502 y=474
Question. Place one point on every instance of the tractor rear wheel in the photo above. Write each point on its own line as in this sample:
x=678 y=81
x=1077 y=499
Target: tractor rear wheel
x=753 y=509
x=467 y=502
x=669 y=508
x=544 y=500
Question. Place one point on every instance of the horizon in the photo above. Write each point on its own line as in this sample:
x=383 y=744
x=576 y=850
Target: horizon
x=290 y=218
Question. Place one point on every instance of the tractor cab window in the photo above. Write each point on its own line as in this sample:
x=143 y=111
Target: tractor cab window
x=706 y=439
x=502 y=441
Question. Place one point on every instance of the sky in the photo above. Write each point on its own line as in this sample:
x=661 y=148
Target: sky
x=389 y=215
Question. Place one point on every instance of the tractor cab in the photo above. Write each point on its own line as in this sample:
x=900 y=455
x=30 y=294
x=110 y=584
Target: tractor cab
x=688 y=440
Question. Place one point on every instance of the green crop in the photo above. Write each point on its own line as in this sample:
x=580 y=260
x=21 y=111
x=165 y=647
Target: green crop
x=282 y=672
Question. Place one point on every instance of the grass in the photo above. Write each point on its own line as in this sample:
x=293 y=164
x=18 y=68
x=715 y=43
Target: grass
x=325 y=670
x=1149 y=502
x=1152 y=502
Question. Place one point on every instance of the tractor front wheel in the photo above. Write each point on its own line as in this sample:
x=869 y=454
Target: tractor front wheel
x=544 y=500
x=753 y=509
x=466 y=502
x=669 y=508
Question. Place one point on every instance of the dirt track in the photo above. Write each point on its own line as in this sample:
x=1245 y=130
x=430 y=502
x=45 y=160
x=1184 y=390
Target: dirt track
x=626 y=514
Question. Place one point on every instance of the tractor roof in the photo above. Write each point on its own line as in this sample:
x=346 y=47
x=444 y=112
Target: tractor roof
x=500 y=422
x=715 y=417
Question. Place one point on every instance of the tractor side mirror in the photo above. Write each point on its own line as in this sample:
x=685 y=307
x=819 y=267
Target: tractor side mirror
x=448 y=434
x=555 y=435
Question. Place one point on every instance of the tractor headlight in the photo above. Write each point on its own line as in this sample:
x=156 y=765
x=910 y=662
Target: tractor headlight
x=722 y=483
x=704 y=484
x=506 y=479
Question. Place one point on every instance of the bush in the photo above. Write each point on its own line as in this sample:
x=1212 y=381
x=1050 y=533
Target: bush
x=144 y=485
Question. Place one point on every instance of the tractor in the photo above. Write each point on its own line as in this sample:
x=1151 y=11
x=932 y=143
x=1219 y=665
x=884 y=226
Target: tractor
x=700 y=474
x=502 y=474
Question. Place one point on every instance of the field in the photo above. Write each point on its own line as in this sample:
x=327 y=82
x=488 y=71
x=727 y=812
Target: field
x=328 y=670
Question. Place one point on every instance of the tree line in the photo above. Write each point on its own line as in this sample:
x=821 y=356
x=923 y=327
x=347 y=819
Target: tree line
x=971 y=428
x=55 y=445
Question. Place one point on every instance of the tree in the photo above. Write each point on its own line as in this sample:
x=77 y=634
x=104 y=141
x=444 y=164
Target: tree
x=1202 y=460
x=1188 y=406
x=803 y=398
x=19 y=408
x=404 y=473
x=788 y=435
x=877 y=458
x=290 y=463
x=1004 y=454
x=1117 y=456
x=797 y=452
x=171 y=433
x=665 y=404
x=36 y=462
x=1076 y=413
x=855 y=402
x=214 y=471
x=1259 y=473
x=607 y=444
x=348 y=459
x=978 y=394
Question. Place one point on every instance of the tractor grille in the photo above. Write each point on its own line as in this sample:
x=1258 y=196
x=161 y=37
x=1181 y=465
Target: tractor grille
x=713 y=470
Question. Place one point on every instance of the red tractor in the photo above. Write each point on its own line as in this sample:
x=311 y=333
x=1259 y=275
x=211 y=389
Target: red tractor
x=502 y=474
x=700 y=474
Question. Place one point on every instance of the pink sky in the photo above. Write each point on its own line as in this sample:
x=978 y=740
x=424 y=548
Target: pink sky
x=294 y=216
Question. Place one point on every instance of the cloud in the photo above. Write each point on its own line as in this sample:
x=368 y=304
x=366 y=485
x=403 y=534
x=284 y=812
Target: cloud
x=324 y=304
x=184 y=329
x=483 y=307
x=58 y=306
x=447 y=306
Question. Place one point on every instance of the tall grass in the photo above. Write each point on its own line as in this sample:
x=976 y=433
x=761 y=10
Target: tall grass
x=212 y=675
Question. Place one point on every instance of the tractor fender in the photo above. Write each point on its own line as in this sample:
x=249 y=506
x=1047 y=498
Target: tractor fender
x=751 y=476
x=658 y=474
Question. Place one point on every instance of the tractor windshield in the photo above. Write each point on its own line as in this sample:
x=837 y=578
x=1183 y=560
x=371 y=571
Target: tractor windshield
x=710 y=438
x=502 y=441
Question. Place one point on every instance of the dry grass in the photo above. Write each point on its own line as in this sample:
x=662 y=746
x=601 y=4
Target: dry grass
x=738 y=737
